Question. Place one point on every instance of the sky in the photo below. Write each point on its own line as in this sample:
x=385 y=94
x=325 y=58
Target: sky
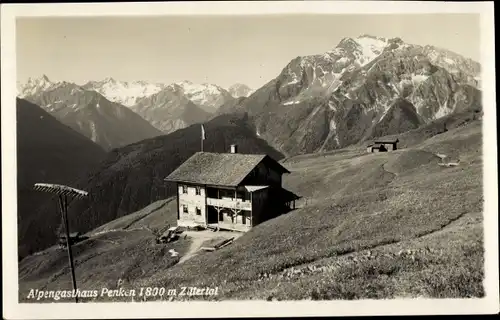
x=223 y=50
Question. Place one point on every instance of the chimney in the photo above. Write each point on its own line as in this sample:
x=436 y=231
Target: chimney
x=234 y=148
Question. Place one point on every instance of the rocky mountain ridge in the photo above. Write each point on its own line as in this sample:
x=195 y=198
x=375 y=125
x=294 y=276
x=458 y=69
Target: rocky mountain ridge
x=170 y=110
x=331 y=100
x=86 y=111
x=166 y=107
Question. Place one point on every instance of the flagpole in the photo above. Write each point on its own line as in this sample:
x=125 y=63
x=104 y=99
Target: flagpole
x=202 y=136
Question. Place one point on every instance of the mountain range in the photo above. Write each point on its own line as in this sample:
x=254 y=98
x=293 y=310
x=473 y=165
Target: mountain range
x=166 y=107
x=364 y=87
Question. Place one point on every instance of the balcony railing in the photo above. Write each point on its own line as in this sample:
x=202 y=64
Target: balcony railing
x=231 y=226
x=230 y=203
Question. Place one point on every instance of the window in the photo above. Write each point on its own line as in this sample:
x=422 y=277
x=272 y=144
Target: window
x=185 y=208
x=184 y=189
x=198 y=191
x=198 y=211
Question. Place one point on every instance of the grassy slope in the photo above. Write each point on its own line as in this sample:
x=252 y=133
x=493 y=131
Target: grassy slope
x=151 y=216
x=344 y=241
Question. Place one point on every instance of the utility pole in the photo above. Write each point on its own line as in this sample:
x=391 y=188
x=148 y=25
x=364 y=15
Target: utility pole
x=63 y=203
x=63 y=192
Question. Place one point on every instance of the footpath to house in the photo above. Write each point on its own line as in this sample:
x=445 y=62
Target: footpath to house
x=199 y=237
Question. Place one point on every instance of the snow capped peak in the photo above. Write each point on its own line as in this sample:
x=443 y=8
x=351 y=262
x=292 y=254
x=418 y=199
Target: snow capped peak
x=364 y=49
x=44 y=78
x=187 y=86
x=34 y=84
x=141 y=82
x=370 y=48
x=191 y=88
x=205 y=95
x=185 y=82
x=109 y=80
x=238 y=90
x=128 y=93
x=124 y=92
x=325 y=72
x=346 y=40
x=41 y=79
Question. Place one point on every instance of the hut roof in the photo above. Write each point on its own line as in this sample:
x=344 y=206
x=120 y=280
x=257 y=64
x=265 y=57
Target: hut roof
x=387 y=141
x=221 y=169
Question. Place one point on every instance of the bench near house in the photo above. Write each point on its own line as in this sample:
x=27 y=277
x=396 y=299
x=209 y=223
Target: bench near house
x=230 y=191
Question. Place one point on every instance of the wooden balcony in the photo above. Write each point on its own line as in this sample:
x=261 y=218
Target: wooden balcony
x=237 y=204
x=230 y=226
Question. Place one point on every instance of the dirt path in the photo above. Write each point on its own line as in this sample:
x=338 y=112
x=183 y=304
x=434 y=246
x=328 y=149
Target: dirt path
x=198 y=237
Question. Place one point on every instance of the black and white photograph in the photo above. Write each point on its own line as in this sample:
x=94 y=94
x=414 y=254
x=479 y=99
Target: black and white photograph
x=276 y=155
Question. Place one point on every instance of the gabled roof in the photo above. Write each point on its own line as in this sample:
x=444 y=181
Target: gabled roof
x=221 y=169
x=386 y=141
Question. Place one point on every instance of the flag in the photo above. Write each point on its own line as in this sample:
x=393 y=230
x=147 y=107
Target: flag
x=202 y=132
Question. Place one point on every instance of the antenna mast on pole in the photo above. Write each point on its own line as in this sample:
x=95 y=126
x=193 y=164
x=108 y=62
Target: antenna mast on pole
x=63 y=192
